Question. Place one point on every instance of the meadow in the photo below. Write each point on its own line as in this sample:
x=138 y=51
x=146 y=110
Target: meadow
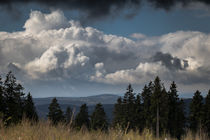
x=43 y=130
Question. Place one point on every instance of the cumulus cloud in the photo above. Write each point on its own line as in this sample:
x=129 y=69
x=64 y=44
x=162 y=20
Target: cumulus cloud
x=51 y=47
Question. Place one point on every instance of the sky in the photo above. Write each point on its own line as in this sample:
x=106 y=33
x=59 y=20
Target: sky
x=80 y=48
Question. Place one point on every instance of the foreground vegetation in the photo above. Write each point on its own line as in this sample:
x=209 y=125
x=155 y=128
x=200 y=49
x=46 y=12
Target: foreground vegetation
x=153 y=111
x=43 y=130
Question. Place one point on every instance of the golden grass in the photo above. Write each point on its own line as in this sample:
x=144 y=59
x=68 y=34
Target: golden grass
x=43 y=130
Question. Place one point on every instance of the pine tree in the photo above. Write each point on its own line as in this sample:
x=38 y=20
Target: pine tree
x=207 y=114
x=82 y=118
x=163 y=110
x=138 y=114
x=129 y=108
x=196 y=112
x=2 y=103
x=55 y=114
x=13 y=93
x=155 y=107
x=29 y=108
x=146 y=105
x=159 y=108
x=68 y=115
x=176 y=119
x=118 y=113
x=98 y=118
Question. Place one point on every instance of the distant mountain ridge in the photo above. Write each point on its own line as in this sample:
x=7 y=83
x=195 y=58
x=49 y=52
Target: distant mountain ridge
x=107 y=100
x=89 y=100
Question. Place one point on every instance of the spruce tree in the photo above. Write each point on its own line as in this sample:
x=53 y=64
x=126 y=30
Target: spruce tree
x=68 y=115
x=138 y=114
x=159 y=107
x=156 y=95
x=55 y=114
x=29 y=108
x=118 y=113
x=13 y=93
x=146 y=105
x=196 y=112
x=176 y=119
x=129 y=108
x=207 y=114
x=98 y=118
x=82 y=118
x=2 y=103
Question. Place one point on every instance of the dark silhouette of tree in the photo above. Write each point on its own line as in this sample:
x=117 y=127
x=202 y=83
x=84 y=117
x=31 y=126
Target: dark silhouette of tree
x=156 y=95
x=55 y=114
x=159 y=108
x=146 y=105
x=207 y=114
x=68 y=115
x=128 y=111
x=2 y=103
x=98 y=118
x=176 y=118
x=118 y=113
x=29 y=108
x=82 y=118
x=196 y=112
x=138 y=114
x=13 y=93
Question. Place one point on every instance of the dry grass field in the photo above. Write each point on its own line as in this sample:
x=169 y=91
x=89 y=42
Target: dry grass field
x=45 y=131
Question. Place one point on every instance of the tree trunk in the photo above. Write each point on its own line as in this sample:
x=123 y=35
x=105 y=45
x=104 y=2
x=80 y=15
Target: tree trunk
x=157 y=123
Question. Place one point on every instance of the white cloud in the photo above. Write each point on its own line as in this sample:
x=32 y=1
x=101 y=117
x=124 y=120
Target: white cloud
x=39 y=21
x=51 y=47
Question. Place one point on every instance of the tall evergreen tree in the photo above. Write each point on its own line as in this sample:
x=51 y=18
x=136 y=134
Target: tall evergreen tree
x=2 y=103
x=55 y=114
x=138 y=114
x=13 y=93
x=159 y=107
x=146 y=105
x=207 y=114
x=82 y=118
x=68 y=115
x=196 y=112
x=129 y=108
x=29 y=108
x=118 y=113
x=156 y=100
x=176 y=119
x=98 y=118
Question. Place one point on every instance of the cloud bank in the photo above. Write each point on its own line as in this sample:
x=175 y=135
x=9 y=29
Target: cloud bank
x=98 y=9
x=54 y=48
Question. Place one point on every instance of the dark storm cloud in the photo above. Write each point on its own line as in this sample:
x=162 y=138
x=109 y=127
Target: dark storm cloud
x=92 y=8
x=173 y=63
x=101 y=8
x=168 y=4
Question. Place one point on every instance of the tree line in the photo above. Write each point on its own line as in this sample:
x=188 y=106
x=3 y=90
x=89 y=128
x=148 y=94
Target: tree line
x=156 y=109
x=14 y=104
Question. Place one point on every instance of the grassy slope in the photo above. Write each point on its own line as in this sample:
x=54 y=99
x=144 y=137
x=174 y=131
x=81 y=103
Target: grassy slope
x=44 y=131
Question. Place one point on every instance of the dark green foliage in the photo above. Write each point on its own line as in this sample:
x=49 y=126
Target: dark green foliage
x=55 y=114
x=118 y=113
x=207 y=114
x=68 y=115
x=196 y=112
x=176 y=118
x=13 y=94
x=2 y=103
x=127 y=113
x=82 y=118
x=146 y=105
x=29 y=109
x=98 y=118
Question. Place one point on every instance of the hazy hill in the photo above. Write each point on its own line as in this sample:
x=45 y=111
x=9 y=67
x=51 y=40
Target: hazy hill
x=108 y=101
